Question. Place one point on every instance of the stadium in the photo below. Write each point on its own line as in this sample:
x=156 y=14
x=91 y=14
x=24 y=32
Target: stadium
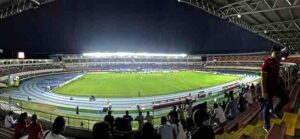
x=87 y=86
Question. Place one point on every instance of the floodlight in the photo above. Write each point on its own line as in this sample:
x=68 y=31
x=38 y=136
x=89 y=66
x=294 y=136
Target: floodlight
x=127 y=54
x=21 y=55
x=265 y=32
x=239 y=15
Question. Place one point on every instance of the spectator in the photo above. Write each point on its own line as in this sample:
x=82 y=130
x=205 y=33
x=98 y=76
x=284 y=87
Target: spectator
x=128 y=119
x=9 y=121
x=57 y=128
x=219 y=114
x=178 y=129
x=181 y=115
x=35 y=130
x=149 y=118
x=110 y=119
x=242 y=103
x=140 y=119
x=223 y=105
x=248 y=97
x=231 y=110
x=121 y=129
x=21 y=125
x=201 y=131
x=148 y=132
x=166 y=130
x=102 y=131
x=173 y=114
x=271 y=86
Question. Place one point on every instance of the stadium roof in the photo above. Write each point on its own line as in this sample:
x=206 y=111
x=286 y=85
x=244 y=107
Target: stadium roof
x=12 y=7
x=276 y=20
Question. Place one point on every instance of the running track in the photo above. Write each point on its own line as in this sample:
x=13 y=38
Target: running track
x=35 y=88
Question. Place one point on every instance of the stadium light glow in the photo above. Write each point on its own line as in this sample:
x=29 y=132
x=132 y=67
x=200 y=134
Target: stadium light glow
x=124 y=54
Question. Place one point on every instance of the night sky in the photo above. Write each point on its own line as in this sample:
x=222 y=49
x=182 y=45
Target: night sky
x=77 y=26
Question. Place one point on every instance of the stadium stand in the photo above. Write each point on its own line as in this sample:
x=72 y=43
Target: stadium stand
x=240 y=127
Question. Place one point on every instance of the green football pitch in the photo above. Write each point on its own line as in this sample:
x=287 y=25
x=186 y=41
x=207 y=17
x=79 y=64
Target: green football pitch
x=112 y=85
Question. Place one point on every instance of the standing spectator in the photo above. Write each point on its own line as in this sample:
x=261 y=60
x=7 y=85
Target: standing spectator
x=21 y=125
x=173 y=114
x=178 y=129
x=101 y=131
x=166 y=130
x=35 y=130
x=9 y=121
x=128 y=119
x=201 y=131
x=249 y=98
x=242 y=103
x=181 y=115
x=149 y=118
x=190 y=109
x=140 y=119
x=121 y=130
x=148 y=132
x=223 y=105
x=271 y=87
x=110 y=119
x=57 y=128
x=231 y=110
x=219 y=114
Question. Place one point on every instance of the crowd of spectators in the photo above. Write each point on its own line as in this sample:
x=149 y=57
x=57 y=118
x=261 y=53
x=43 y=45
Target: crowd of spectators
x=178 y=124
x=144 y=67
x=30 y=128
x=23 y=68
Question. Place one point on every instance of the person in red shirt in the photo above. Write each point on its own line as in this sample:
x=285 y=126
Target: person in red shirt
x=21 y=125
x=35 y=129
x=272 y=85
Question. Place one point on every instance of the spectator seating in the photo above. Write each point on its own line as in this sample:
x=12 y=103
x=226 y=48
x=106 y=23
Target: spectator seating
x=276 y=132
x=243 y=119
x=293 y=95
x=6 y=133
x=280 y=127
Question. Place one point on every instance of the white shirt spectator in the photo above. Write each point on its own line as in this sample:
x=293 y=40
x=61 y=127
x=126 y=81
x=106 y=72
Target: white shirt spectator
x=248 y=97
x=49 y=135
x=166 y=131
x=140 y=119
x=220 y=114
x=9 y=121
x=179 y=131
x=149 y=118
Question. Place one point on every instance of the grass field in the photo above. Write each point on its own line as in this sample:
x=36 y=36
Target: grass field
x=110 y=85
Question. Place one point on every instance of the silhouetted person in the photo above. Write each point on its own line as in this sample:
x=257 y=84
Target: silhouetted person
x=57 y=128
x=173 y=114
x=201 y=131
x=148 y=132
x=128 y=119
x=110 y=119
x=242 y=103
x=149 y=118
x=101 y=131
x=140 y=120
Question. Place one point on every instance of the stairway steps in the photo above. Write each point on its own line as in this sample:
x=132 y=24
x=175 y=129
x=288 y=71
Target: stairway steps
x=290 y=122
